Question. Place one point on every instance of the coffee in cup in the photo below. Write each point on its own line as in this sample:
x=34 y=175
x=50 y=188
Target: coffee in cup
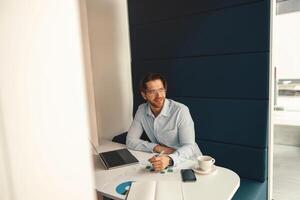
x=205 y=162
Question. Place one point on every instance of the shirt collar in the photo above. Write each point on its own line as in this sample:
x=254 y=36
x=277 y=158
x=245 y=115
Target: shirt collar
x=165 y=110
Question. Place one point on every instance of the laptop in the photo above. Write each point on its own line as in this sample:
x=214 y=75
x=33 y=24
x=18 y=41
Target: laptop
x=116 y=158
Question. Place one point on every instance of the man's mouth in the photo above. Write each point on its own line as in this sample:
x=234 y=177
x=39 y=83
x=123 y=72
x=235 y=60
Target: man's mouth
x=158 y=100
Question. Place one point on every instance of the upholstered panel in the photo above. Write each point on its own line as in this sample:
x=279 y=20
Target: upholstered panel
x=232 y=121
x=137 y=100
x=247 y=162
x=251 y=190
x=152 y=10
x=233 y=30
x=208 y=76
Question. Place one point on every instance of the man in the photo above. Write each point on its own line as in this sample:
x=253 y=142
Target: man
x=167 y=123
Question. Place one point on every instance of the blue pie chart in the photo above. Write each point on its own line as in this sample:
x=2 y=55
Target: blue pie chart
x=122 y=188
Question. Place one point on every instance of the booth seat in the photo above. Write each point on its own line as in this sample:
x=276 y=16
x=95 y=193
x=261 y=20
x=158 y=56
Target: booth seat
x=251 y=190
x=248 y=162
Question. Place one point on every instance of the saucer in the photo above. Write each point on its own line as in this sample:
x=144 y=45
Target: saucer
x=209 y=171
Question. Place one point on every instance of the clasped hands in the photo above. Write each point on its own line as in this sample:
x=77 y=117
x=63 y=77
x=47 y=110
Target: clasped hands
x=161 y=162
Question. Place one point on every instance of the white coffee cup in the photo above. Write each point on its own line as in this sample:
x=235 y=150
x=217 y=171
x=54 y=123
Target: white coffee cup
x=205 y=162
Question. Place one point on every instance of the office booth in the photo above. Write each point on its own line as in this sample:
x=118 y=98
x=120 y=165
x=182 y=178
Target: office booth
x=215 y=56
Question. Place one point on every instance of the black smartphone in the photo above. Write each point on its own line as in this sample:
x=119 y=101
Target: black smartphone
x=188 y=175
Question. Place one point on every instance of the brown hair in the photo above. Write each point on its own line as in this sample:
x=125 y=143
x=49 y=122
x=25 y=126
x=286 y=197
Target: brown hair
x=151 y=77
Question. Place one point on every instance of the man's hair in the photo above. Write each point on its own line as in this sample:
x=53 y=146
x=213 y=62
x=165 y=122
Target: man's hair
x=151 y=77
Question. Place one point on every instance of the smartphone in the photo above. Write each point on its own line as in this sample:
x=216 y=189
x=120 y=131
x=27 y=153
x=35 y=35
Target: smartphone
x=188 y=175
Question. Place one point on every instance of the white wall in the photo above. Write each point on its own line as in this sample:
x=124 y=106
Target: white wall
x=44 y=113
x=110 y=55
x=287 y=45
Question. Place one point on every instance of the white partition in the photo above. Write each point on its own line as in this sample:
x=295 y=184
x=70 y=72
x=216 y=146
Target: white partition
x=44 y=113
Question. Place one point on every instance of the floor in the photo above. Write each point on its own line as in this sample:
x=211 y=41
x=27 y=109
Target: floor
x=286 y=157
x=286 y=185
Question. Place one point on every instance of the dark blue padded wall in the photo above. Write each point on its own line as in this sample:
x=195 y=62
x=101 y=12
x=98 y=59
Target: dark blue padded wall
x=215 y=56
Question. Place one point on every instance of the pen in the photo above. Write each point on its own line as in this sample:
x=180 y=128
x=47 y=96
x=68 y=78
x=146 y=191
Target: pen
x=160 y=154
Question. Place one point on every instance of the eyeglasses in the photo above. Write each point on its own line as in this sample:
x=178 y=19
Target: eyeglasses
x=154 y=92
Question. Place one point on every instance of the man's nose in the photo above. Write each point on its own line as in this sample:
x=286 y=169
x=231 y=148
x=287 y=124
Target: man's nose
x=158 y=94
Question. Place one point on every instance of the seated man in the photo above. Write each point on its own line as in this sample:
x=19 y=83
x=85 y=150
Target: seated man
x=167 y=123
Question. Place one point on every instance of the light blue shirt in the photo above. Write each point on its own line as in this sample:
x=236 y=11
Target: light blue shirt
x=173 y=127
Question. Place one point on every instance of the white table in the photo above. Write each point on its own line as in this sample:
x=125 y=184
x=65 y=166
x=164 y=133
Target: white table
x=220 y=185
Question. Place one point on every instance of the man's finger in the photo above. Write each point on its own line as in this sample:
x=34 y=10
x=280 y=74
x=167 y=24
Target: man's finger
x=154 y=158
x=154 y=161
x=157 y=167
x=157 y=161
x=157 y=164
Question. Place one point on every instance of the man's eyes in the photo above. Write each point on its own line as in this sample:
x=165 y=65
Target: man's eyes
x=156 y=91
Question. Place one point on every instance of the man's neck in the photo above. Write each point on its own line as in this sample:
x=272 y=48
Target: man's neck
x=155 y=111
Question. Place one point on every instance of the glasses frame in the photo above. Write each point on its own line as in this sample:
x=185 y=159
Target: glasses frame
x=154 y=92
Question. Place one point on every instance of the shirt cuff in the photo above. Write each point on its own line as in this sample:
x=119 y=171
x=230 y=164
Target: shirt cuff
x=151 y=146
x=174 y=158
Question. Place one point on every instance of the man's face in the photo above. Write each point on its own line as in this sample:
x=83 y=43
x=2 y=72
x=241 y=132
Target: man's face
x=155 y=93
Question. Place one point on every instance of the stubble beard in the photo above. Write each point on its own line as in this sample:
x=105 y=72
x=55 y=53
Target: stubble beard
x=158 y=104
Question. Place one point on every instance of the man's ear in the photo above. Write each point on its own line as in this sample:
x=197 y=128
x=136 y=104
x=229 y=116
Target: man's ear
x=144 y=95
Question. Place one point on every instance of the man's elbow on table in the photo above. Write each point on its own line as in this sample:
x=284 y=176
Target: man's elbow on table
x=129 y=143
x=134 y=144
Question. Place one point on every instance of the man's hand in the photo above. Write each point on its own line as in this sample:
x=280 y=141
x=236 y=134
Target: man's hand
x=167 y=150
x=159 y=162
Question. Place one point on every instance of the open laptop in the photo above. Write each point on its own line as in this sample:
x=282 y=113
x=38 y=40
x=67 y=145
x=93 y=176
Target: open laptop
x=116 y=158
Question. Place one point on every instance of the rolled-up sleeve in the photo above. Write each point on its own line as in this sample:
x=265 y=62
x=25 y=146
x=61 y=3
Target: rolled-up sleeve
x=186 y=133
x=135 y=131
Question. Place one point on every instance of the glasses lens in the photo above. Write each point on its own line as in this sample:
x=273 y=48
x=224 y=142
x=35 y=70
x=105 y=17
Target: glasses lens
x=154 y=92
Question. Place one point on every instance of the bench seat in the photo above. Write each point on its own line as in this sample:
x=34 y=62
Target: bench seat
x=251 y=190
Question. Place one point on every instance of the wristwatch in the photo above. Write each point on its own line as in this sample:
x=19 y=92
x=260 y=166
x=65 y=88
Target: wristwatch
x=171 y=162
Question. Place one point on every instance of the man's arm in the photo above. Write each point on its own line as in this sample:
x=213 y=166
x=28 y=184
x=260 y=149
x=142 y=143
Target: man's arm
x=167 y=150
x=186 y=138
x=135 y=131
